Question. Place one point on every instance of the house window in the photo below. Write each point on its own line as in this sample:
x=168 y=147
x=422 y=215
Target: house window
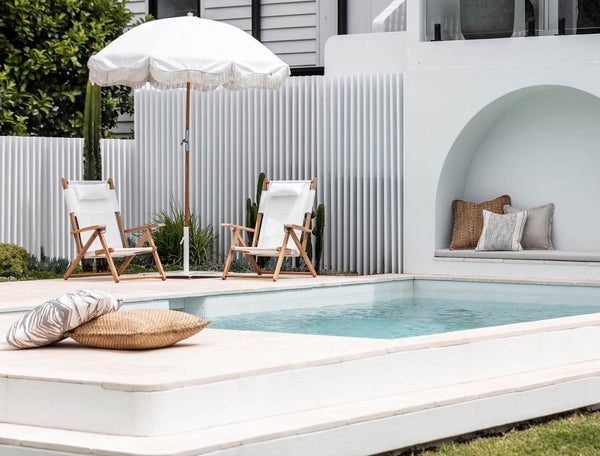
x=161 y=9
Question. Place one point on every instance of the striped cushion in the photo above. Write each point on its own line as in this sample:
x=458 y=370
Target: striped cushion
x=502 y=232
x=47 y=323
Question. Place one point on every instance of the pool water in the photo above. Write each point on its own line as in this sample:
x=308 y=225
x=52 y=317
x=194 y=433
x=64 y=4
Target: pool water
x=399 y=318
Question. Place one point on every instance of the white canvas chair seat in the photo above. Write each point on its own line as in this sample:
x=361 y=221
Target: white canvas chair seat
x=98 y=230
x=282 y=226
x=120 y=253
x=258 y=251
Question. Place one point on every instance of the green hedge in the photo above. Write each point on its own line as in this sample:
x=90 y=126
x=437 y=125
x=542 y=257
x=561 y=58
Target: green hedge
x=13 y=261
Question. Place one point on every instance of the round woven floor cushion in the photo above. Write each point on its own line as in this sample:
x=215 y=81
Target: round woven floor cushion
x=137 y=329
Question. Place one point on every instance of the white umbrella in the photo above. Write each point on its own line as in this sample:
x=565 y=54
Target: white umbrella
x=188 y=52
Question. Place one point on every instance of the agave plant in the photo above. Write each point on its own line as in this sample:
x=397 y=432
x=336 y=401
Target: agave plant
x=168 y=238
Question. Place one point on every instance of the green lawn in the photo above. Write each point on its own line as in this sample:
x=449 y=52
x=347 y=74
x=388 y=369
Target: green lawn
x=575 y=435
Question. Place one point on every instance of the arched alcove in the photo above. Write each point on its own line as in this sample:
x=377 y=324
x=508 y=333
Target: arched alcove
x=539 y=145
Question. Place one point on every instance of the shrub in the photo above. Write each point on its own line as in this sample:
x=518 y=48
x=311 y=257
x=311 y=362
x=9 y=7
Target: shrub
x=44 y=47
x=51 y=265
x=13 y=261
x=168 y=238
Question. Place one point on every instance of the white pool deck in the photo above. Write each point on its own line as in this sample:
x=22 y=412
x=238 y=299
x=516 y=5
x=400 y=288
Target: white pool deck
x=232 y=393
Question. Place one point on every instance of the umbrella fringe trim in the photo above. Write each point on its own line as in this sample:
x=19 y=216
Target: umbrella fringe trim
x=231 y=78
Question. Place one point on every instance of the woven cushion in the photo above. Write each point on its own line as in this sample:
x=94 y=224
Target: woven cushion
x=502 y=231
x=468 y=221
x=538 y=229
x=138 y=329
x=48 y=322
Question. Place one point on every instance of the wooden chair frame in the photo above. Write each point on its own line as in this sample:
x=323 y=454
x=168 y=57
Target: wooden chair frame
x=238 y=240
x=106 y=251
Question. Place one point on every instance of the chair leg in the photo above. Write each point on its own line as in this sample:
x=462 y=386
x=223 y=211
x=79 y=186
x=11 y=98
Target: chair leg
x=109 y=260
x=254 y=264
x=148 y=237
x=80 y=255
x=125 y=264
x=236 y=239
x=227 y=263
x=281 y=256
x=303 y=253
x=159 y=265
x=73 y=265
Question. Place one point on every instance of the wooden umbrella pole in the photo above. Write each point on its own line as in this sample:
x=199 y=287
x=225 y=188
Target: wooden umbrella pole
x=187 y=156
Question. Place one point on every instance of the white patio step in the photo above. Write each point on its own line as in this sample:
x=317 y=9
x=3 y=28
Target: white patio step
x=354 y=428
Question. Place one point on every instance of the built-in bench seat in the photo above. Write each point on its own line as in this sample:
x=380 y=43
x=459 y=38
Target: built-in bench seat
x=539 y=255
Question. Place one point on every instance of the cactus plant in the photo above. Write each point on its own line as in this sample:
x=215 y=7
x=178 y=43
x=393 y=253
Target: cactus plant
x=252 y=208
x=92 y=158
x=318 y=233
x=252 y=213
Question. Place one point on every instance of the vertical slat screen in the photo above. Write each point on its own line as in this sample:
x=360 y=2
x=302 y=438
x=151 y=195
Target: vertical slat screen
x=346 y=130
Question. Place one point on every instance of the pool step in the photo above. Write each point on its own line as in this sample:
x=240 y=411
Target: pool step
x=354 y=428
x=224 y=377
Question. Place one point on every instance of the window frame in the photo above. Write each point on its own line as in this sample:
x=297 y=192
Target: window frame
x=153 y=7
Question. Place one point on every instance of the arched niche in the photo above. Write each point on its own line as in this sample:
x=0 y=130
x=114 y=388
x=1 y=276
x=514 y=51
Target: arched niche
x=539 y=145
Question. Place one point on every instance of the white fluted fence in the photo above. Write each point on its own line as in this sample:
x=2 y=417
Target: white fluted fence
x=33 y=213
x=346 y=131
x=391 y=19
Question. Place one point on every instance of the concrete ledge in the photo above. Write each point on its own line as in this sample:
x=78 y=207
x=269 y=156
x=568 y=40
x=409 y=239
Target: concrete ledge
x=398 y=421
x=221 y=377
x=528 y=255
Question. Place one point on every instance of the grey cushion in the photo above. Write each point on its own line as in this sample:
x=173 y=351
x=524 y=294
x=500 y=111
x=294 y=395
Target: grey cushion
x=502 y=231
x=538 y=228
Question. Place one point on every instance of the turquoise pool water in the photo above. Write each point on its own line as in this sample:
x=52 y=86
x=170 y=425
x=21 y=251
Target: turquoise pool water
x=399 y=318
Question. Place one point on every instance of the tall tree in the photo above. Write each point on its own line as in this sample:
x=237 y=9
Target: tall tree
x=44 y=48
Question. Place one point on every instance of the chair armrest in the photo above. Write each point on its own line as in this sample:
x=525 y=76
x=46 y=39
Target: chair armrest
x=240 y=227
x=150 y=226
x=297 y=227
x=90 y=228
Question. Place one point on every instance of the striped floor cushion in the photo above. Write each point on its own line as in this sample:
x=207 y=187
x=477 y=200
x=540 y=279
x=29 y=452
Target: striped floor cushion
x=48 y=322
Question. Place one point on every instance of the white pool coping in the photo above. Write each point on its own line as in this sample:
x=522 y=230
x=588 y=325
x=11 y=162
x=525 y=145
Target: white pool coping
x=252 y=393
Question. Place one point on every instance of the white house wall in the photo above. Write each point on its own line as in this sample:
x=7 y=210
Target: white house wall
x=450 y=84
x=139 y=8
x=366 y=53
x=546 y=149
x=234 y=12
x=296 y=30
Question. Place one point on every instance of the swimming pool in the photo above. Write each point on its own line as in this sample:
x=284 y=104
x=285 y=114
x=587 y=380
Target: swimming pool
x=399 y=318
x=397 y=309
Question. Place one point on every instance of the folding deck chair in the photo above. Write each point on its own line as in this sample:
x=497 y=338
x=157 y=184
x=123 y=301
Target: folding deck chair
x=282 y=227
x=98 y=228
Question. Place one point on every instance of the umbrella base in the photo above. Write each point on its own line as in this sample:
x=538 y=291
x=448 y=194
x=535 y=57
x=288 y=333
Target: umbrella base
x=193 y=275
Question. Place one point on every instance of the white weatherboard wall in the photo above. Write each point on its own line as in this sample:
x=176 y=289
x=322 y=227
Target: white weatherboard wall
x=32 y=211
x=295 y=30
x=346 y=131
x=234 y=12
